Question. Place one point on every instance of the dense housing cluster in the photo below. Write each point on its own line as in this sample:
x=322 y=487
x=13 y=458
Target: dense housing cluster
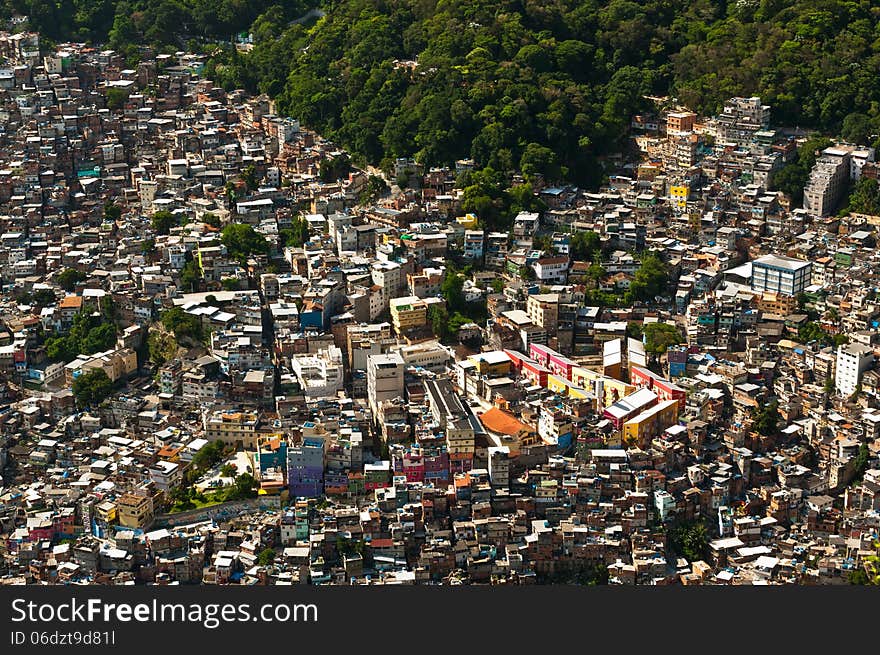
x=230 y=356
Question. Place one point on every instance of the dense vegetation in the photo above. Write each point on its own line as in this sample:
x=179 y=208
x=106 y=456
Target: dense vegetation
x=242 y=242
x=545 y=87
x=690 y=540
x=185 y=327
x=766 y=419
x=89 y=334
x=126 y=22
x=92 y=388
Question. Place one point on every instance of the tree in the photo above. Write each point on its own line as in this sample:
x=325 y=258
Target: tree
x=161 y=347
x=69 y=278
x=634 y=330
x=242 y=241
x=451 y=289
x=90 y=333
x=438 y=317
x=857 y=128
x=585 y=245
x=249 y=175
x=691 y=540
x=765 y=418
x=231 y=195
x=595 y=273
x=43 y=297
x=650 y=280
x=335 y=169
x=228 y=470
x=245 y=486
x=112 y=212
x=812 y=331
x=297 y=234
x=99 y=338
x=869 y=574
x=865 y=197
x=659 y=336
x=92 y=388
x=376 y=187
x=208 y=455
x=540 y=159
x=163 y=221
x=185 y=327
x=266 y=557
x=861 y=461
x=190 y=276
x=116 y=98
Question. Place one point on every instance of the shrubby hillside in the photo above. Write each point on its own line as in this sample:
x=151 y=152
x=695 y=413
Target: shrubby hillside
x=540 y=85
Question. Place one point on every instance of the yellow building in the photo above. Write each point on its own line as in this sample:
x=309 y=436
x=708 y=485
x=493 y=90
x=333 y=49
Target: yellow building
x=678 y=196
x=117 y=364
x=233 y=427
x=543 y=309
x=106 y=512
x=492 y=363
x=558 y=384
x=135 y=511
x=408 y=313
x=776 y=303
x=650 y=423
x=468 y=221
x=612 y=389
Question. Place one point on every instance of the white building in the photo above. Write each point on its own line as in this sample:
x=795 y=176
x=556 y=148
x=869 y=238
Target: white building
x=551 y=269
x=384 y=379
x=827 y=181
x=165 y=475
x=853 y=359
x=783 y=275
x=320 y=374
x=389 y=277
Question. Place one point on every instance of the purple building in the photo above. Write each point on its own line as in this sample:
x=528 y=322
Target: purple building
x=305 y=468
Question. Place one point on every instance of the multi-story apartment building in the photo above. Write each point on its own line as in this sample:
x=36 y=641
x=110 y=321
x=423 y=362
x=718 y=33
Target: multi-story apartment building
x=384 y=379
x=408 y=313
x=233 y=427
x=853 y=359
x=778 y=274
x=305 y=467
x=827 y=181
x=543 y=309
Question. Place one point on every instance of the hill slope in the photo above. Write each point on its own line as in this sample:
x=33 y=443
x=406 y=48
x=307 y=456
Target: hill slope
x=540 y=85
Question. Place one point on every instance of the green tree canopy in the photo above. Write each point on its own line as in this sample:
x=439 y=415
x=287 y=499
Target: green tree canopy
x=585 y=245
x=766 y=418
x=163 y=221
x=297 y=234
x=865 y=197
x=691 y=540
x=184 y=326
x=92 y=388
x=659 y=336
x=242 y=241
x=650 y=280
x=69 y=278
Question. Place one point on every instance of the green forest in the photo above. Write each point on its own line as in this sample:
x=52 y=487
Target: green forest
x=543 y=86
